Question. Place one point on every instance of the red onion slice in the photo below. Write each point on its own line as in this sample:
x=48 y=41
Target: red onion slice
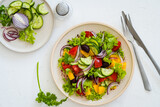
x=113 y=58
x=77 y=55
x=80 y=74
x=103 y=37
x=96 y=80
x=83 y=80
x=104 y=54
x=79 y=80
x=65 y=46
x=120 y=58
x=94 y=33
x=10 y=34
x=20 y=20
x=110 y=85
x=101 y=53
x=90 y=66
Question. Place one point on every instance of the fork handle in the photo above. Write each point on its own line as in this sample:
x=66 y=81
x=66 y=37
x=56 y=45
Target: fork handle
x=142 y=71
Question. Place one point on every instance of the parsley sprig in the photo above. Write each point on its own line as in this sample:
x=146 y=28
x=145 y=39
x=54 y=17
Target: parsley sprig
x=48 y=98
x=5 y=19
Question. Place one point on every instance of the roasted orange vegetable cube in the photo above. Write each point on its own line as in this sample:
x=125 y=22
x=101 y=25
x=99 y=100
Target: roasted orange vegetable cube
x=88 y=92
x=84 y=53
x=124 y=65
x=95 y=88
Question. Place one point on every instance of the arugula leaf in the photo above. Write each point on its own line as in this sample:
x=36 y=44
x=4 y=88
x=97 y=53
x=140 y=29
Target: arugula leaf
x=67 y=59
x=5 y=19
x=48 y=98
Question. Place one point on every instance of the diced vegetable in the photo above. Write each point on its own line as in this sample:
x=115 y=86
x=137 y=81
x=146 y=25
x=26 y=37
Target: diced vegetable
x=115 y=48
x=98 y=62
x=84 y=53
x=65 y=66
x=73 y=51
x=76 y=69
x=102 y=79
x=95 y=86
x=88 y=34
x=88 y=92
x=114 y=76
x=101 y=89
x=70 y=75
x=37 y=22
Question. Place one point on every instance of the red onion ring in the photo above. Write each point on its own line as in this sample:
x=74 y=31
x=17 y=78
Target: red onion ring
x=103 y=37
x=83 y=80
x=79 y=80
x=120 y=58
x=94 y=33
x=101 y=53
x=77 y=55
x=80 y=74
x=65 y=46
x=104 y=54
x=110 y=85
x=10 y=34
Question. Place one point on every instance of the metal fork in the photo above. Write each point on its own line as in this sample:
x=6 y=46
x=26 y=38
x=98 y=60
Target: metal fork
x=132 y=41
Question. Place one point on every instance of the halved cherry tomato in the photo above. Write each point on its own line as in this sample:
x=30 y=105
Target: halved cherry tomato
x=73 y=51
x=65 y=66
x=80 y=93
x=88 y=34
x=114 y=76
x=102 y=79
x=97 y=62
x=115 y=48
x=76 y=69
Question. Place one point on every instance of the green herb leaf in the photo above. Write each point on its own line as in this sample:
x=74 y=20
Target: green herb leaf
x=68 y=59
x=48 y=98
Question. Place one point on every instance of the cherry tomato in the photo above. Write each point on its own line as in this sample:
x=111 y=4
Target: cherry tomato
x=65 y=66
x=102 y=79
x=80 y=93
x=73 y=51
x=76 y=69
x=114 y=76
x=97 y=62
x=88 y=34
x=115 y=48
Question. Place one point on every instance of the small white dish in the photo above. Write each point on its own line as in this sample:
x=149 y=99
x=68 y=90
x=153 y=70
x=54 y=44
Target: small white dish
x=42 y=36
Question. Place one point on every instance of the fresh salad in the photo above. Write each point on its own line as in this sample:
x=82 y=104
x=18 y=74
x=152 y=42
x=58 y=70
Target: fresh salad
x=25 y=16
x=92 y=64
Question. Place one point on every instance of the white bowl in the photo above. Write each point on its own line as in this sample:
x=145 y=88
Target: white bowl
x=96 y=27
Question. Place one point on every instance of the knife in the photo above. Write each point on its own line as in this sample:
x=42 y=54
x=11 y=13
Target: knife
x=139 y=41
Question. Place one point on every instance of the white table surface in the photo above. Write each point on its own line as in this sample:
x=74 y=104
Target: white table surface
x=18 y=82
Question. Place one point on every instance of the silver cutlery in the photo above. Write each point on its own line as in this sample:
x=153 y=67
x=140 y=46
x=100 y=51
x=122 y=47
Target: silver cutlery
x=139 y=41
x=132 y=41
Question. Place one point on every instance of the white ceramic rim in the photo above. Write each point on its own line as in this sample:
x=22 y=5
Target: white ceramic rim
x=44 y=42
x=131 y=51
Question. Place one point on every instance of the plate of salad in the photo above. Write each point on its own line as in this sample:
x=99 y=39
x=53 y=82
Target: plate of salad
x=25 y=25
x=92 y=63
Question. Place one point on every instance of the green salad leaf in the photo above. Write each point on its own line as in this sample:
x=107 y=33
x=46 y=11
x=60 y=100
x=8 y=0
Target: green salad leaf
x=68 y=87
x=67 y=58
x=5 y=19
x=27 y=35
x=94 y=96
x=121 y=73
x=48 y=98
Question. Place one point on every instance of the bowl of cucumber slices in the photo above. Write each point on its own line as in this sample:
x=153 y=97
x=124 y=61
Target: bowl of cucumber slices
x=92 y=63
x=24 y=24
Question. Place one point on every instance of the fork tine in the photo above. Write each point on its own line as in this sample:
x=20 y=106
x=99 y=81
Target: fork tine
x=129 y=19
x=122 y=26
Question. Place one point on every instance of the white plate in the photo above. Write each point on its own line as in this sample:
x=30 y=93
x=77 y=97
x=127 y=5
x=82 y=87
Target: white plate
x=96 y=27
x=43 y=34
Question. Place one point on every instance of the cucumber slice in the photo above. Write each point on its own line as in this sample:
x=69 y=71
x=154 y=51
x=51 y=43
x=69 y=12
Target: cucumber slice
x=75 y=63
x=94 y=41
x=100 y=75
x=33 y=10
x=32 y=4
x=37 y=22
x=28 y=14
x=82 y=66
x=26 y=5
x=21 y=11
x=12 y=10
x=16 y=4
x=80 y=62
x=41 y=9
x=107 y=72
x=107 y=82
x=87 y=60
x=28 y=1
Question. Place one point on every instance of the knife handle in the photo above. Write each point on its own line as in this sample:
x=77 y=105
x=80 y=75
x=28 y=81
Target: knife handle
x=142 y=71
x=152 y=59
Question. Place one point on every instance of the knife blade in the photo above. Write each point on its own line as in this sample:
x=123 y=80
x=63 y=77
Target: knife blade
x=139 y=41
